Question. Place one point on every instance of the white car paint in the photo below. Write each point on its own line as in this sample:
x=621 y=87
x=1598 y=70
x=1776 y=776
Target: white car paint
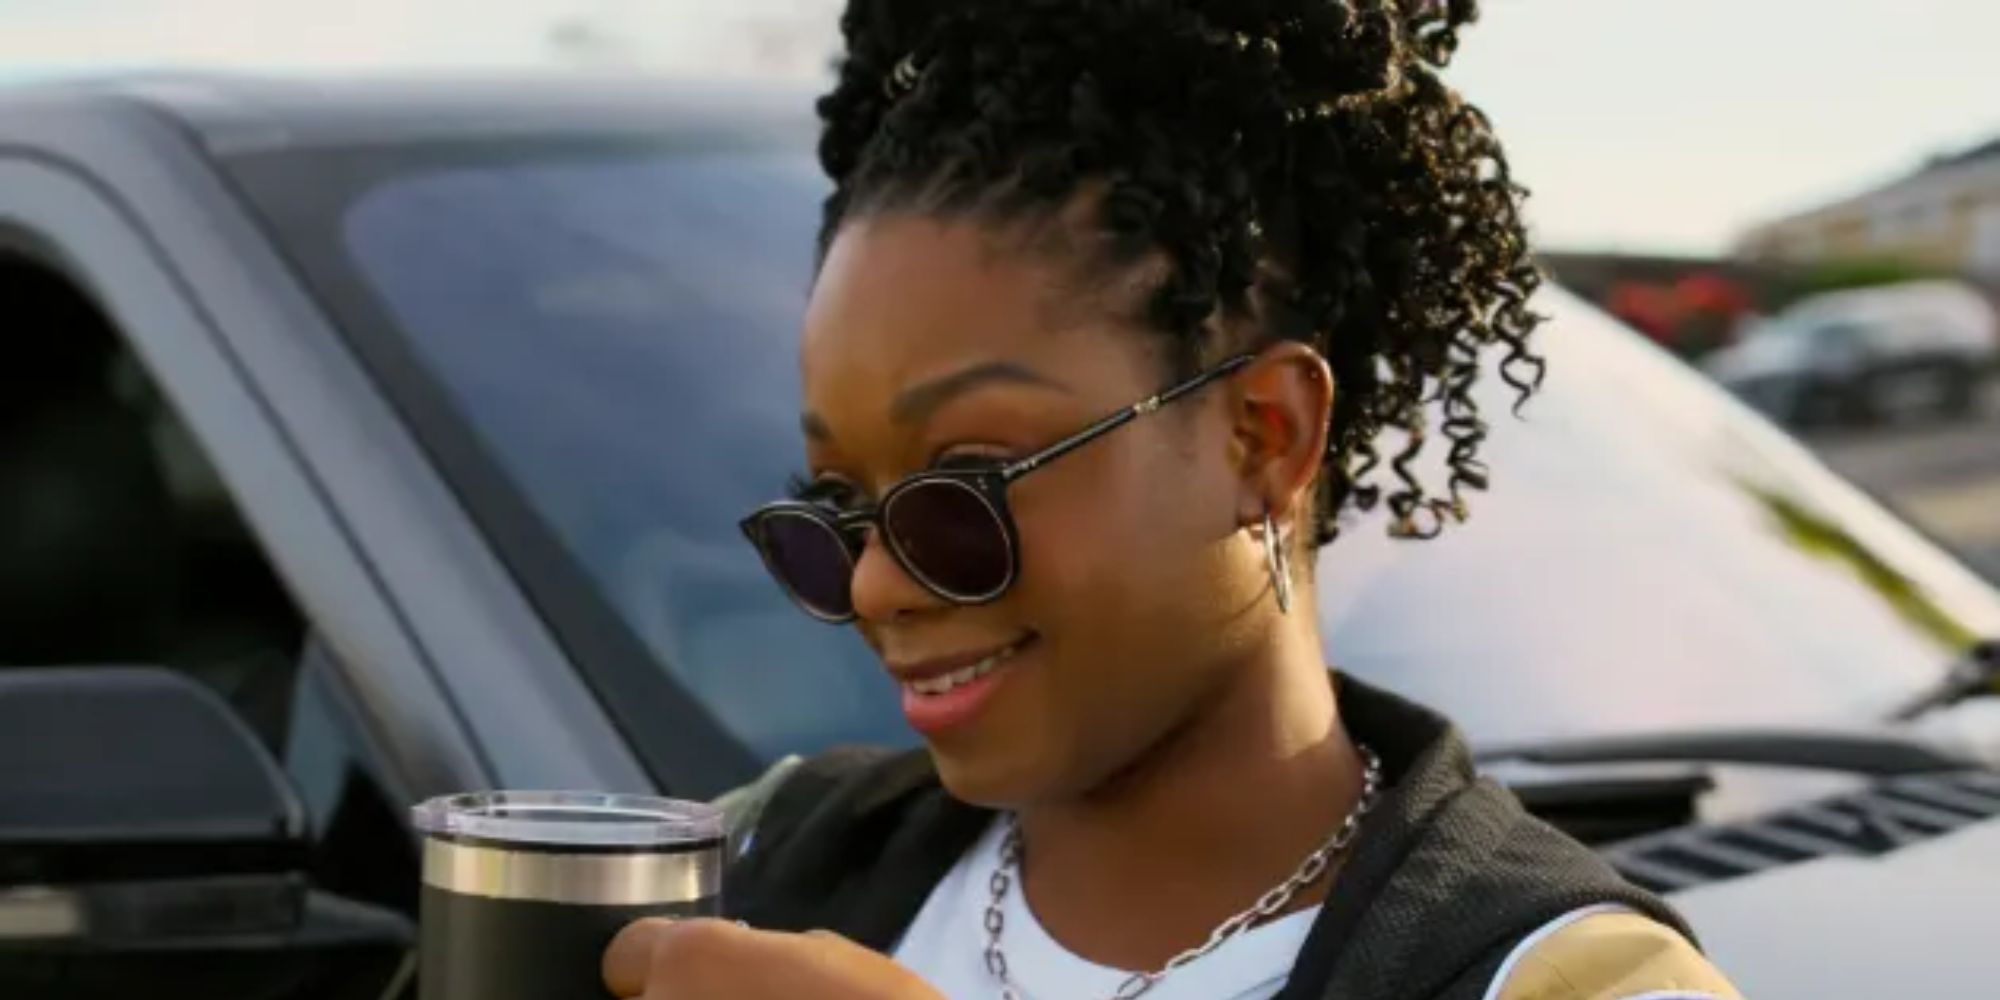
x=1922 y=921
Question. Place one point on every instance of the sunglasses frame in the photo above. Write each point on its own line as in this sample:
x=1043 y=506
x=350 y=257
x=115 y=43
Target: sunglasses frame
x=988 y=485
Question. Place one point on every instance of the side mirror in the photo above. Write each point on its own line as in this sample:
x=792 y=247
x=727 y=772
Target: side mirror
x=150 y=845
x=1974 y=675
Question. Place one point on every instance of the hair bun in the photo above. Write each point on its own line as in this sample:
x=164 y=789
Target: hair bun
x=890 y=27
x=1336 y=48
x=881 y=38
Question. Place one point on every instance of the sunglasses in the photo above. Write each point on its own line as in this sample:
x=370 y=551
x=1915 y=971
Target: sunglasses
x=949 y=529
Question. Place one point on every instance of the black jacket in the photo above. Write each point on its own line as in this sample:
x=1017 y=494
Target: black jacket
x=1448 y=875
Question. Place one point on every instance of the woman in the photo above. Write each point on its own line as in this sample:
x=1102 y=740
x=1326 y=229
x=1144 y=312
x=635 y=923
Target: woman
x=1116 y=298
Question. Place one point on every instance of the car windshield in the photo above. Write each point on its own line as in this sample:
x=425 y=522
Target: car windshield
x=614 y=329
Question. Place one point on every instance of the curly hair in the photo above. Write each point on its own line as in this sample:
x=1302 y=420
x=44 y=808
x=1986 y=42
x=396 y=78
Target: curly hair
x=1295 y=161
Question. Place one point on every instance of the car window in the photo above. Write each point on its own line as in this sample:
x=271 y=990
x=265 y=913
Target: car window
x=361 y=845
x=121 y=545
x=620 y=330
x=118 y=542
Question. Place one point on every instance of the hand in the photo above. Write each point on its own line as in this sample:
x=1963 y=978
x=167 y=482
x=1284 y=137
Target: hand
x=717 y=960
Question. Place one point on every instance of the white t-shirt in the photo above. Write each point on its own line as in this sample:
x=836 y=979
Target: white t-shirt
x=946 y=945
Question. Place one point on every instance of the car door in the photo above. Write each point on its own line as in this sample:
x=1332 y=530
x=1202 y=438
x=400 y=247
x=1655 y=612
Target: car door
x=209 y=432
x=151 y=515
x=189 y=480
x=455 y=676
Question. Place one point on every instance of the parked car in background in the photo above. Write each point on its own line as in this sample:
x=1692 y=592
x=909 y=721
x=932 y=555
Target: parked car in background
x=1868 y=356
x=412 y=420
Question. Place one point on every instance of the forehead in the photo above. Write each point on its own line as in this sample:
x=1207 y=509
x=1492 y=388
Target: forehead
x=902 y=298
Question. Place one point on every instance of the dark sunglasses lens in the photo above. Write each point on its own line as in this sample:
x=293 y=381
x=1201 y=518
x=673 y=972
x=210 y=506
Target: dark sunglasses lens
x=808 y=557
x=951 y=537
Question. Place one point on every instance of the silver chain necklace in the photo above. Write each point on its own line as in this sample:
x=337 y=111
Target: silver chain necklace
x=1270 y=904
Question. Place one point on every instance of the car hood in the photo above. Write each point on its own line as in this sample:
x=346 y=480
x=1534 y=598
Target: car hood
x=1653 y=557
x=1916 y=921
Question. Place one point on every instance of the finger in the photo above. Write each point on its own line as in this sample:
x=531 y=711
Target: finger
x=692 y=957
x=631 y=954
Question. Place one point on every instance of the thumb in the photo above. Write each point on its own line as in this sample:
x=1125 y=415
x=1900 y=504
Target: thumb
x=631 y=955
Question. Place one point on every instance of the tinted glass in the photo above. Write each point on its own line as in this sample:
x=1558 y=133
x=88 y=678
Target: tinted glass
x=807 y=555
x=620 y=330
x=951 y=536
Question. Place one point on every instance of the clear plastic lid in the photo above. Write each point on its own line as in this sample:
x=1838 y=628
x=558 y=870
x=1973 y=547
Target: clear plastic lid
x=571 y=819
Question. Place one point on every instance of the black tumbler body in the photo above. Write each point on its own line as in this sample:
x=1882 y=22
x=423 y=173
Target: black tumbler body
x=529 y=919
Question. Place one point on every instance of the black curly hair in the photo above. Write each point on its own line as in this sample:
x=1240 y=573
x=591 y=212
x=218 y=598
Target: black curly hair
x=1294 y=161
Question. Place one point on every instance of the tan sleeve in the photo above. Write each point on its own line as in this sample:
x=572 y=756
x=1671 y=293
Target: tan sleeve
x=1613 y=956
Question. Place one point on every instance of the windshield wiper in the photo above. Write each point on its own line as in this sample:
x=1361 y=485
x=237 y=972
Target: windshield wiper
x=1976 y=673
x=1852 y=753
x=1866 y=753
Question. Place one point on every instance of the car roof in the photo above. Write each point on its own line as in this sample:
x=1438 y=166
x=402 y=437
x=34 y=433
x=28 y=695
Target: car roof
x=240 y=113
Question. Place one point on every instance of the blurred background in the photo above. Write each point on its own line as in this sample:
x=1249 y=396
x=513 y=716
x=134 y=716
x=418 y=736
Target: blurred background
x=381 y=383
x=1699 y=169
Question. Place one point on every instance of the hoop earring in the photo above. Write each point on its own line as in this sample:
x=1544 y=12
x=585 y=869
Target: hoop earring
x=1278 y=561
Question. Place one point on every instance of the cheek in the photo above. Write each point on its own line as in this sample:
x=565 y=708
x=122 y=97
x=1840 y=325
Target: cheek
x=1083 y=533
x=1125 y=581
x=1110 y=550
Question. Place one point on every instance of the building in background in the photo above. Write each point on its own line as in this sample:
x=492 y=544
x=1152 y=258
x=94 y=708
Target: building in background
x=1945 y=217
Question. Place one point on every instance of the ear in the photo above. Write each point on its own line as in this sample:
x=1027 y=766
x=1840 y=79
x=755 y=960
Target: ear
x=1280 y=406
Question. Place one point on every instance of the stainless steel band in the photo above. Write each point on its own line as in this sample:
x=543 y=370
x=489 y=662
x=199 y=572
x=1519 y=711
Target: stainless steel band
x=642 y=879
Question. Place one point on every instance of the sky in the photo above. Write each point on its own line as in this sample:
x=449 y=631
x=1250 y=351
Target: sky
x=1641 y=125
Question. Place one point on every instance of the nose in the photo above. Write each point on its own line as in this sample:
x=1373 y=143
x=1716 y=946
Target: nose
x=882 y=590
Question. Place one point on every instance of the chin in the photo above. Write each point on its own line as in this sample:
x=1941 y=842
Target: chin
x=991 y=779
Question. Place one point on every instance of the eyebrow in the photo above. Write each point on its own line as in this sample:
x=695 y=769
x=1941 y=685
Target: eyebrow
x=917 y=403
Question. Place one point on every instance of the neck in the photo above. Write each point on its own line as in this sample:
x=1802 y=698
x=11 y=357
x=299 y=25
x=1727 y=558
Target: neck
x=1221 y=810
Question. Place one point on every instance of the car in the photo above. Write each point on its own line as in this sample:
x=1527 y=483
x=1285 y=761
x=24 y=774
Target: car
x=1868 y=356
x=410 y=420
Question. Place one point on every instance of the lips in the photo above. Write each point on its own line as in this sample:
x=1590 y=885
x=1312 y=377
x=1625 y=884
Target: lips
x=946 y=693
